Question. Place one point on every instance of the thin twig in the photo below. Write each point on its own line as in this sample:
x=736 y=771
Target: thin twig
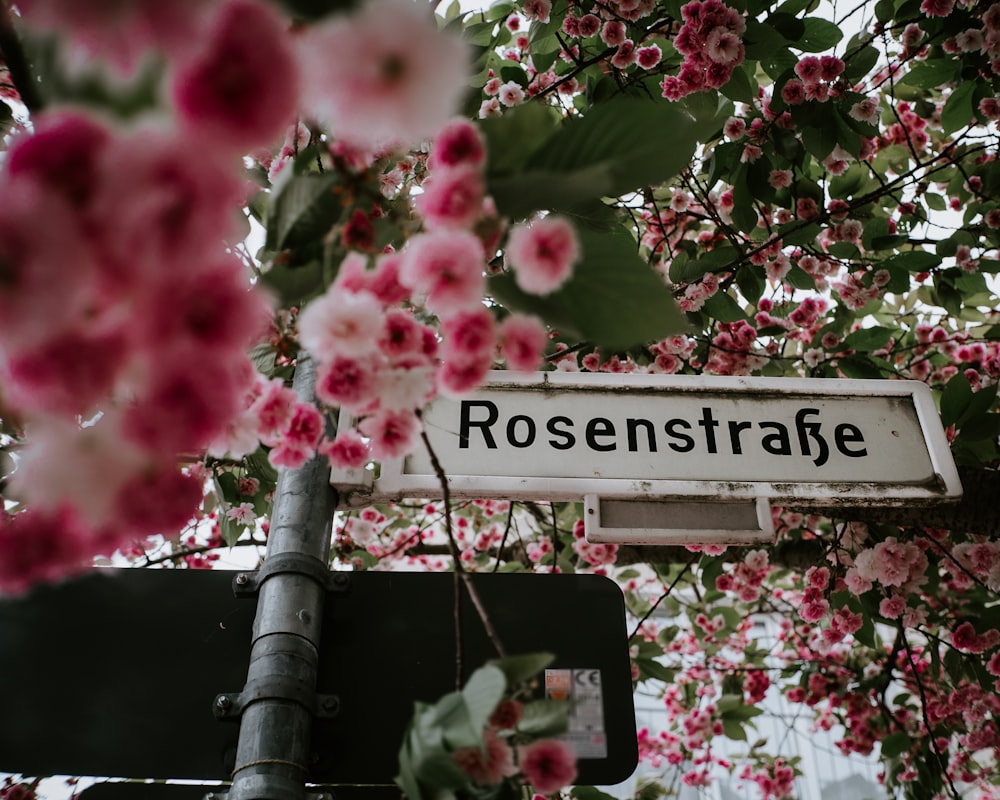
x=666 y=593
x=456 y=557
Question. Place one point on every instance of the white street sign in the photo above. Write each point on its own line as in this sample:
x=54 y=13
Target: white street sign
x=564 y=436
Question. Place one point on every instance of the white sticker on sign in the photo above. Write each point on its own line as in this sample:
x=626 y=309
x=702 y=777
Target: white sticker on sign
x=586 y=721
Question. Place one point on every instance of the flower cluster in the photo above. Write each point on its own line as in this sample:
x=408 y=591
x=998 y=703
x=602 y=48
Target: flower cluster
x=711 y=45
x=486 y=747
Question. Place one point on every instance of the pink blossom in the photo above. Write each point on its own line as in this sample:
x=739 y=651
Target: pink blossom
x=392 y=433
x=937 y=8
x=349 y=382
x=649 y=57
x=385 y=73
x=182 y=408
x=161 y=209
x=347 y=451
x=67 y=374
x=40 y=546
x=273 y=409
x=83 y=468
x=458 y=378
x=793 y=92
x=213 y=307
x=488 y=765
x=121 y=32
x=522 y=342
x=159 y=499
x=809 y=69
x=506 y=715
x=458 y=142
x=62 y=154
x=734 y=128
x=537 y=9
x=625 y=56
x=511 y=94
x=468 y=335
x=613 y=33
x=299 y=438
x=548 y=765
x=341 y=323
x=543 y=254
x=241 y=90
x=965 y=638
x=447 y=268
x=892 y=607
x=865 y=110
x=452 y=197
x=589 y=25
x=724 y=47
x=402 y=334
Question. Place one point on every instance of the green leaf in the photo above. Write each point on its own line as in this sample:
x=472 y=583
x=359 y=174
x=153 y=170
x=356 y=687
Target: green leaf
x=589 y=793
x=820 y=141
x=741 y=87
x=931 y=74
x=914 y=261
x=605 y=153
x=819 y=35
x=518 y=669
x=613 y=299
x=543 y=718
x=860 y=63
x=955 y=399
x=482 y=692
x=513 y=137
x=303 y=211
x=751 y=281
x=722 y=307
x=895 y=744
x=734 y=730
x=294 y=285
x=959 y=109
x=868 y=339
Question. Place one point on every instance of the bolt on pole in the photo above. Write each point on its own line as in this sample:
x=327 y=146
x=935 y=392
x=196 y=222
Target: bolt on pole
x=273 y=754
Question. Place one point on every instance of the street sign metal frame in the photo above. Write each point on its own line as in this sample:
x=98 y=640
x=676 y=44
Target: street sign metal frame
x=940 y=483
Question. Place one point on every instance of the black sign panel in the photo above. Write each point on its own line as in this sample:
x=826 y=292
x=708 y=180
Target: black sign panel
x=115 y=674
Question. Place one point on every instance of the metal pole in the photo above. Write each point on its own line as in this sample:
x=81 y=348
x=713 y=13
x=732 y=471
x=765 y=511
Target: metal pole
x=279 y=700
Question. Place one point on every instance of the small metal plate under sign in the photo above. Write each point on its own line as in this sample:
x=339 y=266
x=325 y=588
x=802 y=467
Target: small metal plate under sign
x=677 y=521
x=581 y=687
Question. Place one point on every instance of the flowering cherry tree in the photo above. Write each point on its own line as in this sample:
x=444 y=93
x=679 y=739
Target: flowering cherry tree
x=197 y=193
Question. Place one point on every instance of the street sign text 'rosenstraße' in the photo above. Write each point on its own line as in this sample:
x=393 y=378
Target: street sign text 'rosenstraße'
x=570 y=436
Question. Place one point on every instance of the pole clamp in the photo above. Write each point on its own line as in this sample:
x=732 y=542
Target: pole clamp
x=246 y=584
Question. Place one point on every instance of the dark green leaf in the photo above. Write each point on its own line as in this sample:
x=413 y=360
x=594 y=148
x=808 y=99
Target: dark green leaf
x=958 y=110
x=820 y=34
x=955 y=399
x=734 y=730
x=860 y=63
x=722 y=307
x=931 y=74
x=859 y=367
x=741 y=86
x=303 y=211
x=751 y=281
x=607 y=152
x=820 y=141
x=895 y=744
x=513 y=137
x=589 y=793
x=868 y=339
